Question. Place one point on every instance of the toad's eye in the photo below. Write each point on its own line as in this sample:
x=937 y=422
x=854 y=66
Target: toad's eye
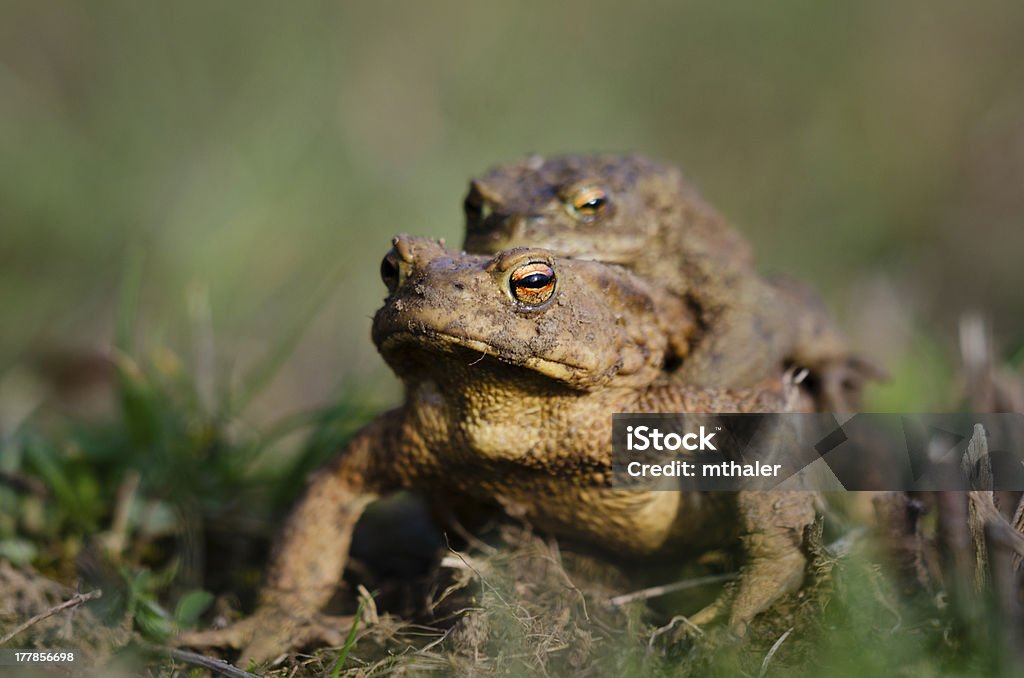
x=533 y=283
x=589 y=202
x=475 y=206
x=390 y=271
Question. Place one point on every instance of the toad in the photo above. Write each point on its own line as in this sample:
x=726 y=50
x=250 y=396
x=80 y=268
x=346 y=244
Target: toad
x=633 y=211
x=512 y=367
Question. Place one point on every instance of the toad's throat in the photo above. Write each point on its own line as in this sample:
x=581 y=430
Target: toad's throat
x=553 y=369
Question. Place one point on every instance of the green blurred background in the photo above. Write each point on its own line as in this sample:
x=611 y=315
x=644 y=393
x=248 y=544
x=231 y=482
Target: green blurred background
x=250 y=154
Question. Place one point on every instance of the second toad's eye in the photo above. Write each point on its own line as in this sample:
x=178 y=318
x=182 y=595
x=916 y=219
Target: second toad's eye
x=475 y=206
x=589 y=202
x=532 y=284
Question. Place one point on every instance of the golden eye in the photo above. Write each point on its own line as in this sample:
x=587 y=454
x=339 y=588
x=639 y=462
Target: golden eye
x=589 y=202
x=533 y=283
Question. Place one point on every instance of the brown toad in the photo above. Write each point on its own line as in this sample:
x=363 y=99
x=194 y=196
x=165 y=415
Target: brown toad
x=633 y=211
x=512 y=367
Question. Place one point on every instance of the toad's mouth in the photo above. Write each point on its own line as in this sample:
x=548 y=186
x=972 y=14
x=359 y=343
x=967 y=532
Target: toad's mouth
x=553 y=369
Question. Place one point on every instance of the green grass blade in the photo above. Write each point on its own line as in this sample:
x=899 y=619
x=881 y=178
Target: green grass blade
x=350 y=642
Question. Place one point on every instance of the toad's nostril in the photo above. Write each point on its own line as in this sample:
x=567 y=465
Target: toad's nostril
x=390 y=271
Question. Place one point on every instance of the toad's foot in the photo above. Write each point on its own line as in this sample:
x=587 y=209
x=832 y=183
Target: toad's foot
x=762 y=583
x=270 y=633
x=774 y=525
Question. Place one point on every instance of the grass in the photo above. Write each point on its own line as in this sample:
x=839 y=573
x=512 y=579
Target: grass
x=142 y=503
x=350 y=642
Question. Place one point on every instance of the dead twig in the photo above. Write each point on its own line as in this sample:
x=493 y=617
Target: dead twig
x=771 y=652
x=431 y=645
x=655 y=591
x=670 y=625
x=73 y=602
x=998 y=527
x=370 y=617
x=977 y=466
x=982 y=501
x=210 y=663
x=1018 y=525
x=459 y=529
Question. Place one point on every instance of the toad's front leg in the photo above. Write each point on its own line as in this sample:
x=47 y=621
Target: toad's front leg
x=773 y=526
x=311 y=551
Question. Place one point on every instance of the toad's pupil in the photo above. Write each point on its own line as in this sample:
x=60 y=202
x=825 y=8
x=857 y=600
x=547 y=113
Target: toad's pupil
x=534 y=281
x=594 y=204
